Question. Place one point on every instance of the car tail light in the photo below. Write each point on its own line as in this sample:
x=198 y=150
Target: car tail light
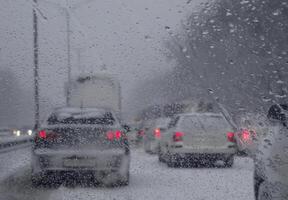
x=245 y=135
x=42 y=134
x=178 y=137
x=47 y=135
x=118 y=134
x=231 y=137
x=141 y=133
x=157 y=133
x=112 y=135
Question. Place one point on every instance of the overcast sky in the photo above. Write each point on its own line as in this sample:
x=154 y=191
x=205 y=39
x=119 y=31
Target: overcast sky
x=121 y=37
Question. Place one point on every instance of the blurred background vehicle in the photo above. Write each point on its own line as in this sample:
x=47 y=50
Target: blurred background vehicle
x=81 y=140
x=198 y=139
x=153 y=134
x=271 y=159
x=97 y=90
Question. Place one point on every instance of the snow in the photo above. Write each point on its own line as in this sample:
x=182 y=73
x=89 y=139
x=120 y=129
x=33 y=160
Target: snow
x=13 y=161
x=149 y=180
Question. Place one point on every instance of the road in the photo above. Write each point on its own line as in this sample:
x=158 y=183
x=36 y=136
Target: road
x=149 y=180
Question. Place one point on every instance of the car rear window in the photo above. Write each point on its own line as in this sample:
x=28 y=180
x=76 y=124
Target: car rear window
x=205 y=124
x=82 y=117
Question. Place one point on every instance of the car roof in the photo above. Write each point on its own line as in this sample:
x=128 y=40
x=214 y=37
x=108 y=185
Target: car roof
x=201 y=114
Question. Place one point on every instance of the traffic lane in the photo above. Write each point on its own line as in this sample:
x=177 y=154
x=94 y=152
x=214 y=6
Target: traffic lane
x=16 y=158
x=152 y=180
x=149 y=180
x=15 y=176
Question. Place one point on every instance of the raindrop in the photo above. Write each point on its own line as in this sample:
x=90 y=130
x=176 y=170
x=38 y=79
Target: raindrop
x=276 y=12
x=167 y=28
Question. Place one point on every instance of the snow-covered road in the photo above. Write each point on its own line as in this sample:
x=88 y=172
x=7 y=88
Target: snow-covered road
x=149 y=180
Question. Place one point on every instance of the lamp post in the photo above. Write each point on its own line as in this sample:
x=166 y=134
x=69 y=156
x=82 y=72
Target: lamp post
x=68 y=36
x=36 y=68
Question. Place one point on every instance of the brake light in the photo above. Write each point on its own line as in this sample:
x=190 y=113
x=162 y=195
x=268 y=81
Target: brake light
x=118 y=134
x=42 y=134
x=114 y=135
x=231 y=137
x=47 y=135
x=141 y=133
x=178 y=137
x=110 y=135
x=245 y=135
x=157 y=133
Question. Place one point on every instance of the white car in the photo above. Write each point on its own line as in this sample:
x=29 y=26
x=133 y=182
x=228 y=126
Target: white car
x=81 y=141
x=271 y=158
x=199 y=139
x=154 y=134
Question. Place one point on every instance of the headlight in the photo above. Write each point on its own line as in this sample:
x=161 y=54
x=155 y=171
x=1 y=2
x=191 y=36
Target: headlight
x=18 y=133
x=29 y=132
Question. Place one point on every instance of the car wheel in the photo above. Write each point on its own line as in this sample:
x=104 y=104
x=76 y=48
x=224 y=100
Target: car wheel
x=263 y=192
x=160 y=156
x=45 y=180
x=125 y=180
x=229 y=162
x=257 y=182
x=171 y=162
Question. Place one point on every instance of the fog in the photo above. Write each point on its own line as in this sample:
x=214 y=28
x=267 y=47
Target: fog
x=123 y=38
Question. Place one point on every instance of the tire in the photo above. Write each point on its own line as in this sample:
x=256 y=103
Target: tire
x=263 y=192
x=36 y=181
x=45 y=180
x=160 y=156
x=124 y=181
x=257 y=182
x=172 y=163
x=229 y=162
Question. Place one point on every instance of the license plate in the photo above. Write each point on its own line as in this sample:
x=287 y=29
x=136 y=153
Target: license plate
x=79 y=163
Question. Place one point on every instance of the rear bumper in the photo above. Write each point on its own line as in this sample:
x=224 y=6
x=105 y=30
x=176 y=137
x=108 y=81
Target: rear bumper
x=102 y=162
x=202 y=151
x=202 y=156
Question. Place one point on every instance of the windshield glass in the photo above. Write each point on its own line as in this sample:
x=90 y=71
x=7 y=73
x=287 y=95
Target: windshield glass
x=81 y=117
x=103 y=99
x=214 y=125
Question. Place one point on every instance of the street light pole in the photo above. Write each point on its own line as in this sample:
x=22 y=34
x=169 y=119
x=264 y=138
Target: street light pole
x=36 y=68
x=68 y=34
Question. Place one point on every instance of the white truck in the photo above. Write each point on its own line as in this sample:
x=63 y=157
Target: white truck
x=101 y=91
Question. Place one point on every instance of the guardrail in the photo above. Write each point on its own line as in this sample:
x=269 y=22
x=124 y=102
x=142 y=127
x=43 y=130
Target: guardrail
x=10 y=143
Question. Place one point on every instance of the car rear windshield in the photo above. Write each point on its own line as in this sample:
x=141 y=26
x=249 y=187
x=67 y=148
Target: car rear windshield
x=204 y=124
x=82 y=117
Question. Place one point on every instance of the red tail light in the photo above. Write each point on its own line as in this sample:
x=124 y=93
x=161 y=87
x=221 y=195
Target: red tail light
x=114 y=135
x=157 y=133
x=178 y=137
x=42 y=134
x=245 y=135
x=141 y=133
x=231 y=137
x=118 y=134
x=110 y=135
x=47 y=135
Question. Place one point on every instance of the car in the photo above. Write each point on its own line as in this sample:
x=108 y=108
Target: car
x=153 y=134
x=147 y=124
x=252 y=128
x=198 y=139
x=271 y=160
x=81 y=141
